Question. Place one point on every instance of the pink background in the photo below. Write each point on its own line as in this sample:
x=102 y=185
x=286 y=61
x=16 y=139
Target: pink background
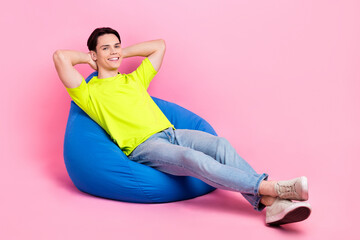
x=279 y=79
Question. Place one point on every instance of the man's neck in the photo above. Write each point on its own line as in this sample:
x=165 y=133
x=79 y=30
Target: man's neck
x=107 y=74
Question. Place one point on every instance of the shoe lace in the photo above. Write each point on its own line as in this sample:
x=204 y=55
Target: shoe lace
x=287 y=189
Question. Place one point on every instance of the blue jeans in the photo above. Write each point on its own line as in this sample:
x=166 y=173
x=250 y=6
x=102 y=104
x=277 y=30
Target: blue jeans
x=210 y=158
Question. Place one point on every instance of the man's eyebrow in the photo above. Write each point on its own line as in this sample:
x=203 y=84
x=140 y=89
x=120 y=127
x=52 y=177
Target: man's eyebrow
x=109 y=45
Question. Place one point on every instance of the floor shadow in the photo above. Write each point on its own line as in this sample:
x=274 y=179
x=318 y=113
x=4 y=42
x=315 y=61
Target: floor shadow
x=289 y=229
x=223 y=201
x=64 y=181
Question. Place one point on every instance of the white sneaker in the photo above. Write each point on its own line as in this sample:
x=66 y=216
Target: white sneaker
x=294 y=189
x=284 y=211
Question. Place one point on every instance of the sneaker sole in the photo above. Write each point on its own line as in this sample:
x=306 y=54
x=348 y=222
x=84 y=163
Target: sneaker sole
x=291 y=215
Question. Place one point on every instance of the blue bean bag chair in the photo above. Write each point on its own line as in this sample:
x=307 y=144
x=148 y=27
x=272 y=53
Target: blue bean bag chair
x=97 y=166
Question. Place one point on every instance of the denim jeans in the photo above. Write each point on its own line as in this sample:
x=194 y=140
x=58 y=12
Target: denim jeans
x=210 y=158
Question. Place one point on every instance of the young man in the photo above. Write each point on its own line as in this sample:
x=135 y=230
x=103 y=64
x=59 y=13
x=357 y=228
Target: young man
x=120 y=104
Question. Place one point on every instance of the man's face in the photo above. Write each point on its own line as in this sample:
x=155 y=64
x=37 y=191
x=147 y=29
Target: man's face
x=108 y=54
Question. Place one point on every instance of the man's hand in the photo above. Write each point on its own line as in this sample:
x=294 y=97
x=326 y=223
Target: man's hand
x=92 y=63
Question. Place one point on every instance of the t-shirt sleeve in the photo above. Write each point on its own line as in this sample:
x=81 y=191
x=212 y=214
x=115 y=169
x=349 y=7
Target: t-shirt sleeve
x=80 y=95
x=145 y=73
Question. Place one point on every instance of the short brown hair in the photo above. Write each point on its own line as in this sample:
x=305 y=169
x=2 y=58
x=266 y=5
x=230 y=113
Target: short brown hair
x=92 y=41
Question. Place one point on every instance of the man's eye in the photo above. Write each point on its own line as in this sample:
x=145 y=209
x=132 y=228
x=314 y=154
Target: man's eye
x=104 y=48
x=117 y=46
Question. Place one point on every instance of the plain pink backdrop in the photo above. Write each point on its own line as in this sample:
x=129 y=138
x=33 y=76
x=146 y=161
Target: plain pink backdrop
x=278 y=79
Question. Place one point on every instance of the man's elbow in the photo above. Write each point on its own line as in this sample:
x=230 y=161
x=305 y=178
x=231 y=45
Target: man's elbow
x=162 y=44
x=58 y=56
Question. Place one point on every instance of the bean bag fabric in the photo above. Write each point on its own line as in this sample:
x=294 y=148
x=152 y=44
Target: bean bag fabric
x=97 y=166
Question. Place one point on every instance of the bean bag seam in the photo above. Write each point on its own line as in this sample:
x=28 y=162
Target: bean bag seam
x=142 y=189
x=198 y=125
x=74 y=117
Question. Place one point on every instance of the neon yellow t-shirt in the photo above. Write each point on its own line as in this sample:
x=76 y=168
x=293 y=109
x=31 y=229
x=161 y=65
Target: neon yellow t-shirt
x=122 y=106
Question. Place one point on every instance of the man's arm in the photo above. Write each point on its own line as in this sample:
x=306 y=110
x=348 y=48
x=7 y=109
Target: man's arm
x=65 y=60
x=154 y=50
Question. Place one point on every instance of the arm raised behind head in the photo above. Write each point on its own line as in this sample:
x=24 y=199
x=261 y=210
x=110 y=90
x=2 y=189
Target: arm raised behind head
x=154 y=50
x=65 y=60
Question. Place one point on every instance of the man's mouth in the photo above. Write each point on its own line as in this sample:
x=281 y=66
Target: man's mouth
x=113 y=59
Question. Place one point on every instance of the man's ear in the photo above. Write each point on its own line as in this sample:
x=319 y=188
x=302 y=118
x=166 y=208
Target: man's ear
x=93 y=55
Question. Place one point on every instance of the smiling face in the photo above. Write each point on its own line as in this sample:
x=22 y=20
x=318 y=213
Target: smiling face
x=108 y=55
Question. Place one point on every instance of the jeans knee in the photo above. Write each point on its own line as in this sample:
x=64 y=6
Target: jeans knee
x=223 y=142
x=187 y=156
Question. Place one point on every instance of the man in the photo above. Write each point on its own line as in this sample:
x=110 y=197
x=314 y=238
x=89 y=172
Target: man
x=120 y=104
